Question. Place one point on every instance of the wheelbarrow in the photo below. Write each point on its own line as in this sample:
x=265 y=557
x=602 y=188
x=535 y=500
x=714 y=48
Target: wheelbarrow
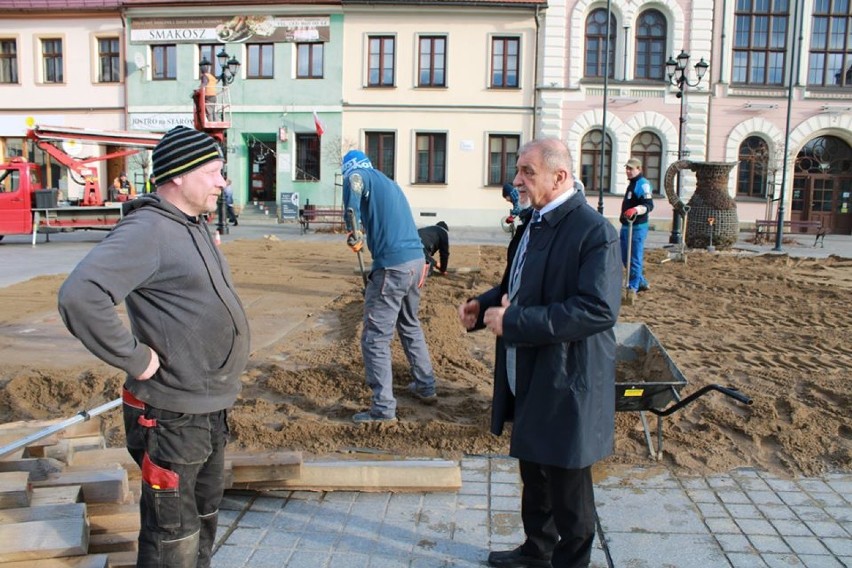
x=647 y=380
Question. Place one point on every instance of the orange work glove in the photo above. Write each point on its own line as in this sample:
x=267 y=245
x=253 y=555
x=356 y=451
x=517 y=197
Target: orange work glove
x=355 y=240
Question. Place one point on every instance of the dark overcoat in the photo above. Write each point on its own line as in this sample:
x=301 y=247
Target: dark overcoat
x=562 y=326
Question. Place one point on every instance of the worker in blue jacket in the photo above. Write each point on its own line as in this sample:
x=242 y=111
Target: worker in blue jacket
x=392 y=295
x=637 y=203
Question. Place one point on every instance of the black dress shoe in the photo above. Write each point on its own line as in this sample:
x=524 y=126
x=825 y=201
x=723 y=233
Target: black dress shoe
x=517 y=558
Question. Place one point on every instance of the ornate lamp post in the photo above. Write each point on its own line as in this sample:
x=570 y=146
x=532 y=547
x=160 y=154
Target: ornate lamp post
x=229 y=66
x=676 y=71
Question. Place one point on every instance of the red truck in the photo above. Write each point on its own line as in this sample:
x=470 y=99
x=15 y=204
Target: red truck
x=26 y=206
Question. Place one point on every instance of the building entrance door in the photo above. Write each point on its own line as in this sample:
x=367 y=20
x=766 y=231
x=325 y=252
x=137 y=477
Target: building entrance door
x=813 y=197
x=822 y=184
x=262 y=169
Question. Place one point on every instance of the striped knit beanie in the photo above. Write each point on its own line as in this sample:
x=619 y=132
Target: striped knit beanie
x=182 y=150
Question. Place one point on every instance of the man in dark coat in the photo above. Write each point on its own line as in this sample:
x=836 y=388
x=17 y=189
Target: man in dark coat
x=554 y=375
x=436 y=239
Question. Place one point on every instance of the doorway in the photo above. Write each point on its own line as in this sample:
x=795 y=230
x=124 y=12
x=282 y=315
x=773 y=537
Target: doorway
x=263 y=165
x=822 y=184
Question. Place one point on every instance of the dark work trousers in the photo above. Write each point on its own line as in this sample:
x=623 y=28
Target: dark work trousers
x=558 y=511
x=182 y=457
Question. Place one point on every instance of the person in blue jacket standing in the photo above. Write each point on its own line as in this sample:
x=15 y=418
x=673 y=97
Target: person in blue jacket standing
x=392 y=295
x=637 y=203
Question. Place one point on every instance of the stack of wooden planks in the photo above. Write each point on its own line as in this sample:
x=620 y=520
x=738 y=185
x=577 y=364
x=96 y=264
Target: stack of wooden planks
x=69 y=501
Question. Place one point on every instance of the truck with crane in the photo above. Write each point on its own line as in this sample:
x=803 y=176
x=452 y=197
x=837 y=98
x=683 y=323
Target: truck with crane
x=27 y=206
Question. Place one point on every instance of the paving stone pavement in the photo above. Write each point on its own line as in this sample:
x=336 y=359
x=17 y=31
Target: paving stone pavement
x=648 y=518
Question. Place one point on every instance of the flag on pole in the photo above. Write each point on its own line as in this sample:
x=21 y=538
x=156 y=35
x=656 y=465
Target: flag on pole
x=318 y=124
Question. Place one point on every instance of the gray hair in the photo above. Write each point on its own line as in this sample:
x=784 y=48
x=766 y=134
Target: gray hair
x=554 y=153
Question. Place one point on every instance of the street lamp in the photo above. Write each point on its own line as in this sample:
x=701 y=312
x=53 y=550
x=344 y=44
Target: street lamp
x=229 y=66
x=676 y=71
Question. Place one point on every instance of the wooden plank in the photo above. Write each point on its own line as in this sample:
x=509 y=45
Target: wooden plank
x=16 y=455
x=91 y=427
x=126 y=559
x=104 y=543
x=106 y=458
x=15 y=489
x=113 y=517
x=44 y=539
x=99 y=486
x=400 y=476
x=42 y=513
x=35 y=448
x=89 y=561
x=248 y=467
x=67 y=448
x=56 y=495
x=38 y=468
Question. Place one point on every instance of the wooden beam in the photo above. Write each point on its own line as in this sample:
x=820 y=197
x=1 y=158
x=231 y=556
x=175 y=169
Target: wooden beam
x=36 y=448
x=38 y=468
x=66 y=449
x=42 y=513
x=44 y=539
x=248 y=467
x=56 y=495
x=126 y=559
x=400 y=476
x=107 y=458
x=91 y=427
x=99 y=486
x=104 y=543
x=15 y=490
x=113 y=517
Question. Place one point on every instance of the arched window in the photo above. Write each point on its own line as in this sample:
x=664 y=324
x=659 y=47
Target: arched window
x=596 y=43
x=651 y=45
x=647 y=147
x=590 y=162
x=825 y=155
x=754 y=167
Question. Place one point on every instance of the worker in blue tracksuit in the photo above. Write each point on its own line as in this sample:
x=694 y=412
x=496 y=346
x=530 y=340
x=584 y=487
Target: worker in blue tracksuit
x=392 y=295
x=638 y=202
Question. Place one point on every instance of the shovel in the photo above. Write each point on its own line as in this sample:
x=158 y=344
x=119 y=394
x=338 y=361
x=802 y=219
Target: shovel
x=351 y=214
x=629 y=296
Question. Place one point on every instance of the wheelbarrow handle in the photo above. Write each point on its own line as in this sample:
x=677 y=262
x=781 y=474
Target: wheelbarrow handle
x=729 y=391
x=734 y=393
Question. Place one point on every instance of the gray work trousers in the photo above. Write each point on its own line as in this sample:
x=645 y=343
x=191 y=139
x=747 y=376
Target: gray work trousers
x=391 y=301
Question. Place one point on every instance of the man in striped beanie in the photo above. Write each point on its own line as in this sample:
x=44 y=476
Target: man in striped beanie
x=185 y=349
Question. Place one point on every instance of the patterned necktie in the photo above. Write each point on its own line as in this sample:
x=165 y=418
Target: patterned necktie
x=521 y=257
x=514 y=284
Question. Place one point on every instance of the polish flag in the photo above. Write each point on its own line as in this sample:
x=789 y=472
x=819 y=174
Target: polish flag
x=318 y=124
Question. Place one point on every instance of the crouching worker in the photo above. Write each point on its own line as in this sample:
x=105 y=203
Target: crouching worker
x=436 y=239
x=187 y=344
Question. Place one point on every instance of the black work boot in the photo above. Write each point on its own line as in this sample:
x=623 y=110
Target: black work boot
x=517 y=558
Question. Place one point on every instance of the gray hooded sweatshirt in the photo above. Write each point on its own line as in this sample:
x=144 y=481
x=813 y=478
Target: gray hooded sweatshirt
x=181 y=303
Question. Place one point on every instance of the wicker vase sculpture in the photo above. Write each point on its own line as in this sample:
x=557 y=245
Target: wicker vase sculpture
x=710 y=200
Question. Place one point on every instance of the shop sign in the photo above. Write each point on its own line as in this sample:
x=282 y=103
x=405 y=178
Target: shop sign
x=237 y=29
x=161 y=121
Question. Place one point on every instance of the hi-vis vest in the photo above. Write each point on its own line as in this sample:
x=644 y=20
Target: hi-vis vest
x=210 y=88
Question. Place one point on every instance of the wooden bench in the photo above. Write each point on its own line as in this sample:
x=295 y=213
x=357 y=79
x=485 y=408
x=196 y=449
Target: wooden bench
x=765 y=228
x=331 y=216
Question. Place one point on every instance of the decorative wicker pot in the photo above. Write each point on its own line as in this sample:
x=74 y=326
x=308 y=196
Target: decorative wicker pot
x=710 y=199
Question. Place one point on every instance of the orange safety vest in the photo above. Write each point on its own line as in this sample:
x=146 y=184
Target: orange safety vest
x=210 y=86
